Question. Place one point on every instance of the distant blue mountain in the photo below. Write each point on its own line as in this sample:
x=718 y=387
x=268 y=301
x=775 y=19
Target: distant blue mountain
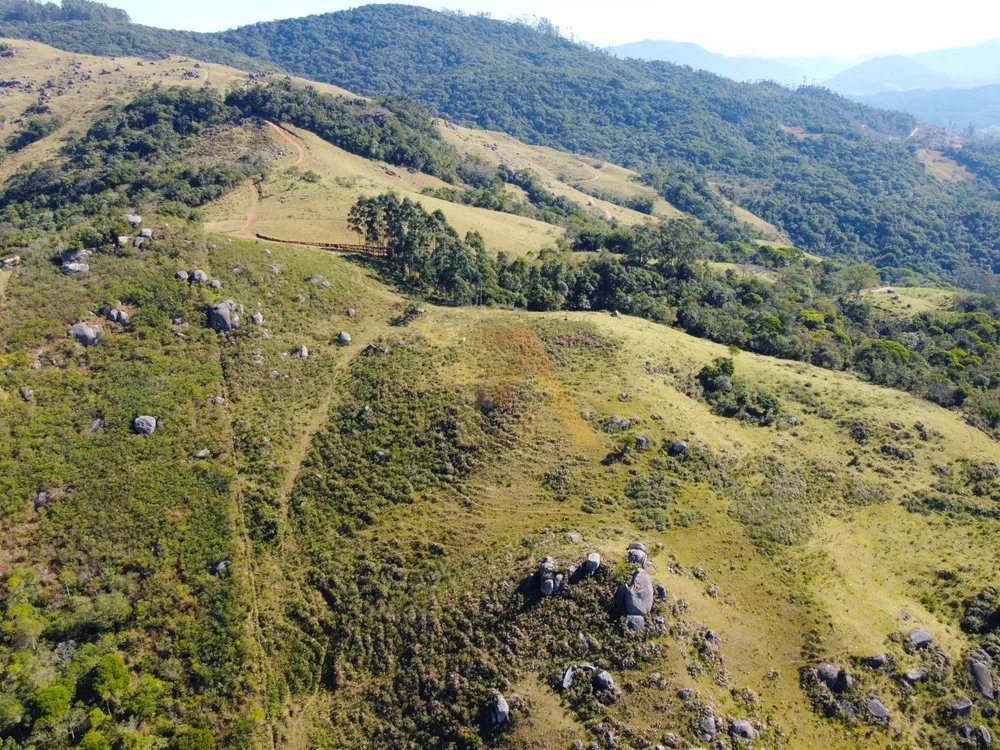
x=699 y=58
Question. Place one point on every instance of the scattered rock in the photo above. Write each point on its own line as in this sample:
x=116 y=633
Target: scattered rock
x=146 y=233
x=661 y=592
x=302 y=351
x=984 y=736
x=224 y=316
x=41 y=499
x=84 y=334
x=74 y=256
x=144 y=425
x=139 y=242
x=499 y=711
x=616 y=314
x=635 y=622
x=961 y=706
x=878 y=710
x=572 y=537
x=203 y=453
x=133 y=219
x=678 y=448
x=592 y=563
x=829 y=674
x=95 y=426
x=876 y=662
x=567 y=678
x=344 y=338
x=257 y=318
x=920 y=638
x=198 y=276
x=350 y=312
x=74 y=269
x=604 y=681
x=913 y=676
x=742 y=729
x=639 y=594
x=636 y=557
x=218 y=400
x=26 y=393
x=215 y=284
x=220 y=567
x=982 y=676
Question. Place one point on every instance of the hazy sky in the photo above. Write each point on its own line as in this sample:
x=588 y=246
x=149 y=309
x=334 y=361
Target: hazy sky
x=771 y=28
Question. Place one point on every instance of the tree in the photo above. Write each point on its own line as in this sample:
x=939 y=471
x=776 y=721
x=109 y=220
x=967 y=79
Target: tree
x=110 y=678
x=860 y=276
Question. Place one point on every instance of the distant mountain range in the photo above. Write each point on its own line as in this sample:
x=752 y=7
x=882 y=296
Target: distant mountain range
x=948 y=87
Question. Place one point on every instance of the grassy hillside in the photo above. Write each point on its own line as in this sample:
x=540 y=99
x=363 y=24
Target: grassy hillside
x=336 y=536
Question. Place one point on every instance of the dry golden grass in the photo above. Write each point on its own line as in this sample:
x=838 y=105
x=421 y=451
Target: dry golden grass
x=910 y=300
x=766 y=232
x=569 y=175
x=943 y=168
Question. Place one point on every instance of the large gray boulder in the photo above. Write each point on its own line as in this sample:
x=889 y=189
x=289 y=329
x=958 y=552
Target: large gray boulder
x=592 y=563
x=198 y=276
x=567 y=678
x=499 y=711
x=74 y=269
x=635 y=622
x=84 y=334
x=225 y=316
x=75 y=256
x=133 y=219
x=982 y=676
x=678 y=448
x=878 y=710
x=639 y=594
x=144 y=425
x=181 y=276
x=920 y=638
x=344 y=338
x=26 y=393
x=604 y=681
x=257 y=319
x=961 y=706
x=742 y=729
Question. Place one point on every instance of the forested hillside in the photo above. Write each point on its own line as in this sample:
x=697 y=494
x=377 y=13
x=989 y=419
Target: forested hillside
x=837 y=176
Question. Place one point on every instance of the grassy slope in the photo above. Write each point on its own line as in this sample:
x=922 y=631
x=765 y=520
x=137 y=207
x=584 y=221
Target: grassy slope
x=294 y=209
x=81 y=92
x=563 y=173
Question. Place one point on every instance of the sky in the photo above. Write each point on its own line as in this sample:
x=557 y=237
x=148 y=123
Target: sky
x=768 y=28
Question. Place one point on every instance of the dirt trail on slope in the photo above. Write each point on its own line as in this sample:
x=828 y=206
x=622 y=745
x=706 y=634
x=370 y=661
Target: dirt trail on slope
x=253 y=213
x=4 y=278
x=287 y=136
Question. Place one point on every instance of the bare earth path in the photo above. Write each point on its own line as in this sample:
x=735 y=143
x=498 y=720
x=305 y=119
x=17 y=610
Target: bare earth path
x=288 y=137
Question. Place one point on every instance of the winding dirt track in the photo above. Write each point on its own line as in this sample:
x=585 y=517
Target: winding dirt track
x=288 y=137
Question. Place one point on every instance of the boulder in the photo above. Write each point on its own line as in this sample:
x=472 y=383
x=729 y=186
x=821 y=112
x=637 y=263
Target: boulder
x=635 y=622
x=709 y=728
x=637 y=545
x=75 y=256
x=829 y=674
x=604 y=681
x=74 y=269
x=139 y=242
x=920 y=638
x=344 y=338
x=876 y=662
x=146 y=233
x=257 y=319
x=878 y=710
x=982 y=676
x=84 y=334
x=124 y=240
x=678 y=448
x=499 y=711
x=218 y=400
x=913 y=676
x=567 y=678
x=547 y=587
x=220 y=567
x=350 y=312
x=144 y=425
x=181 y=275
x=215 y=284
x=636 y=557
x=26 y=393
x=984 y=736
x=96 y=426
x=572 y=537
x=224 y=316
x=742 y=729
x=639 y=594
x=302 y=351
x=961 y=706
x=592 y=563
x=198 y=276
x=133 y=219
x=41 y=499
x=203 y=453
x=661 y=592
